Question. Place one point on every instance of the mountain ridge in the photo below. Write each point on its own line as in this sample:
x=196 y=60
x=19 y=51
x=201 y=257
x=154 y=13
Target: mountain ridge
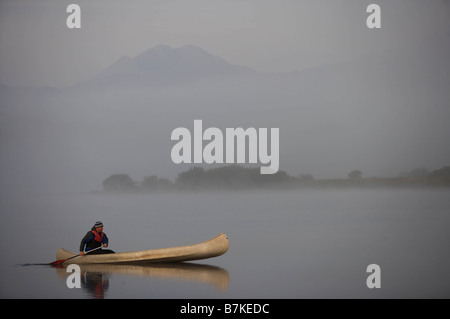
x=164 y=64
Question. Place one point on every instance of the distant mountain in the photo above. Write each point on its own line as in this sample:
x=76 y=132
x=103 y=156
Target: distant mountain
x=163 y=64
x=380 y=113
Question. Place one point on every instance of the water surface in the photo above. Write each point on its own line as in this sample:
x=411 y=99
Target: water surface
x=290 y=244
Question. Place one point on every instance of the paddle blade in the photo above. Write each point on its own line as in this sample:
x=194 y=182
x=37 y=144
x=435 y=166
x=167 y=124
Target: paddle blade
x=57 y=262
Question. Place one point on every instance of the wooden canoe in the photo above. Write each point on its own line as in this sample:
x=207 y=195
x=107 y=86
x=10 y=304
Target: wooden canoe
x=211 y=248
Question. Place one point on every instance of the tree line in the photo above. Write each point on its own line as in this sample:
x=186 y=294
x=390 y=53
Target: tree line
x=235 y=177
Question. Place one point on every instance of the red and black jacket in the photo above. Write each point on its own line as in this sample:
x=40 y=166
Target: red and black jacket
x=92 y=240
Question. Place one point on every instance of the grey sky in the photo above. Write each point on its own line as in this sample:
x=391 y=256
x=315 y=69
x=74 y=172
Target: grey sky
x=375 y=100
x=37 y=49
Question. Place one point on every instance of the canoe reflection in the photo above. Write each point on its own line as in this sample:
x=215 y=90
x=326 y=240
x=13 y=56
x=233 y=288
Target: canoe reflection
x=95 y=277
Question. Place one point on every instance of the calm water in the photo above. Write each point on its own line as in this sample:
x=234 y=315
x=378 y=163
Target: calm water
x=294 y=244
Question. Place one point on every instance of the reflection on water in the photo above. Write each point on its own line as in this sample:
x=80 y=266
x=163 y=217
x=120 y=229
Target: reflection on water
x=319 y=242
x=95 y=284
x=95 y=278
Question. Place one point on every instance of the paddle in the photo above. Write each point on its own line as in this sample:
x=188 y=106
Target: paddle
x=58 y=262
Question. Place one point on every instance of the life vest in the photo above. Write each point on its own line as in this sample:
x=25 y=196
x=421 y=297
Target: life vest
x=98 y=237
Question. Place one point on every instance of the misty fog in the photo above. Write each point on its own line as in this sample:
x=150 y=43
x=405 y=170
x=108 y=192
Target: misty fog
x=78 y=106
x=380 y=105
x=381 y=116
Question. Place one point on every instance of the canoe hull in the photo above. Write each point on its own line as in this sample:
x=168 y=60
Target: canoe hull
x=212 y=248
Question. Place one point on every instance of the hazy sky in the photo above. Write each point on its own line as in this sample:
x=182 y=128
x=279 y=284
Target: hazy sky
x=36 y=47
x=377 y=99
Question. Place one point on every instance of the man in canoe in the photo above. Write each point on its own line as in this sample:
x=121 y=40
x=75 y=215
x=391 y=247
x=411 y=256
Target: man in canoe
x=93 y=239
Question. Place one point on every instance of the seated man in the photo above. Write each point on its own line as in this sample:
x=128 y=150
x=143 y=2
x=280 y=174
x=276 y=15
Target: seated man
x=94 y=239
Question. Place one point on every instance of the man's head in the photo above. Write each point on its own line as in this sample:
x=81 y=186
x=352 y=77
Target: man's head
x=98 y=226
